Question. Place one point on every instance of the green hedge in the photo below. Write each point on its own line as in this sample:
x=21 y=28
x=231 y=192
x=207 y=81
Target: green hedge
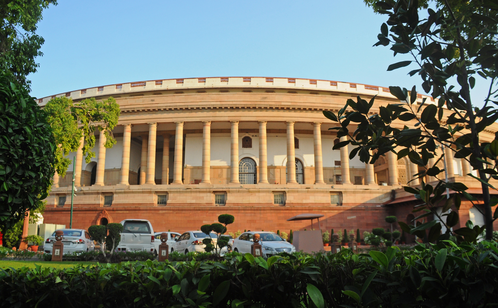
x=443 y=275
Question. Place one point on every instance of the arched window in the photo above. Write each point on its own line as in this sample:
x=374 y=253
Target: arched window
x=104 y=221
x=296 y=143
x=247 y=142
x=299 y=172
x=93 y=175
x=247 y=171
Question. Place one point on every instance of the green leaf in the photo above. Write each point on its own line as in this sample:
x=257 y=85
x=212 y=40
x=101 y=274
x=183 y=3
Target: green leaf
x=441 y=259
x=398 y=65
x=379 y=257
x=330 y=115
x=271 y=260
x=204 y=283
x=353 y=295
x=221 y=292
x=58 y=279
x=250 y=258
x=367 y=282
x=425 y=226
x=415 y=277
x=176 y=289
x=452 y=219
x=400 y=94
x=315 y=295
x=429 y=114
x=154 y=279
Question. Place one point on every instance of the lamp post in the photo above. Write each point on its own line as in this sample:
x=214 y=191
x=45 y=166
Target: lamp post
x=72 y=194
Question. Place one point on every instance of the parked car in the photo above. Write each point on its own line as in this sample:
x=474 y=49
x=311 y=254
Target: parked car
x=74 y=240
x=170 y=241
x=192 y=241
x=137 y=235
x=271 y=243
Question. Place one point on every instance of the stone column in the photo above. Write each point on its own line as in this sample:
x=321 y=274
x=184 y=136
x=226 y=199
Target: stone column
x=346 y=178
x=393 y=168
x=234 y=162
x=99 y=179
x=79 y=163
x=165 y=171
x=413 y=170
x=206 y=152
x=263 y=168
x=291 y=154
x=466 y=168
x=125 y=162
x=151 y=159
x=143 y=159
x=448 y=154
x=178 y=168
x=317 y=138
x=370 y=172
x=56 y=180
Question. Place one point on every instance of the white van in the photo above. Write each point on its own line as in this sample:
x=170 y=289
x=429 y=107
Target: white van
x=137 y=235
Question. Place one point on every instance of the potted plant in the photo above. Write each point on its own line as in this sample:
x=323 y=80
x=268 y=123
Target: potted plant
x=326 y=238
x=33 y=241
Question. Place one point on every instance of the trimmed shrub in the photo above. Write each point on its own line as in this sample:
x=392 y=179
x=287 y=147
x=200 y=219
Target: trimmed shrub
x=378 y=231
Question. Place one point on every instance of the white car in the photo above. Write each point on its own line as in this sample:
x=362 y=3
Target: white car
x=74 y=240
x=191 y=241
x=137 y=235
x=271 y=243
x=170 y=241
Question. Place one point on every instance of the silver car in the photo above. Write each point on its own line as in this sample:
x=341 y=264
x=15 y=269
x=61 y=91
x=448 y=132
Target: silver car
x=74 y=240
x=271 y=243
x=170 y=241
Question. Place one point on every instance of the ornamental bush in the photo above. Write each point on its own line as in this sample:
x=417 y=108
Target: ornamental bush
x=442 y=275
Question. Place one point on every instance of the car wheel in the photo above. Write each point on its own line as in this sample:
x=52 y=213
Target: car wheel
x=155 y=253
x=236 y=250
x=186 y=251
x=172 y=250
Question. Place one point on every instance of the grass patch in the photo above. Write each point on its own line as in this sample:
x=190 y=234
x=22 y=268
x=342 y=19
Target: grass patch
x=32 y=264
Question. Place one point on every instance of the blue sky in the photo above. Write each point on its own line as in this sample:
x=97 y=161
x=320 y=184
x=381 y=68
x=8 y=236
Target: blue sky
x=93 y=43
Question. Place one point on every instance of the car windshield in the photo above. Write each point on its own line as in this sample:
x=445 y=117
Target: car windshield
x=69 y=233
x=270 y=237
x=136 y=227
x=203 y=235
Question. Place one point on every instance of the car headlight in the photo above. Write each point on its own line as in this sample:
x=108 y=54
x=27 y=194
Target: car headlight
x=268 y=249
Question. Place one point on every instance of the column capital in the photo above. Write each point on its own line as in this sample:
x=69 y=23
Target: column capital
x=234 y=122
x=128 y=124
x=290 y=122
x=262 y=122
x=179 y=122
x=206 y=123
x=317 y=123
x=152 y=123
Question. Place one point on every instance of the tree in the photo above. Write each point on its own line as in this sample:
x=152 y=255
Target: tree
x=19 y=44
x=70 y=121
x=27 y=148
x=455 y=42
x=107 y=242
x=220 y=229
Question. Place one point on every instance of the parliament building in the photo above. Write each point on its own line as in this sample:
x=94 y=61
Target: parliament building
x=258 y=148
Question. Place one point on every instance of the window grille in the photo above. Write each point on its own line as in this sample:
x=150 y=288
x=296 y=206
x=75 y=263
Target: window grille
x=62 y=200
x=279 y=198
x=162 y=199
x=336 y=199
x=108 y=200
x=247 y=171
x=247 y=142
x=220 y=199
